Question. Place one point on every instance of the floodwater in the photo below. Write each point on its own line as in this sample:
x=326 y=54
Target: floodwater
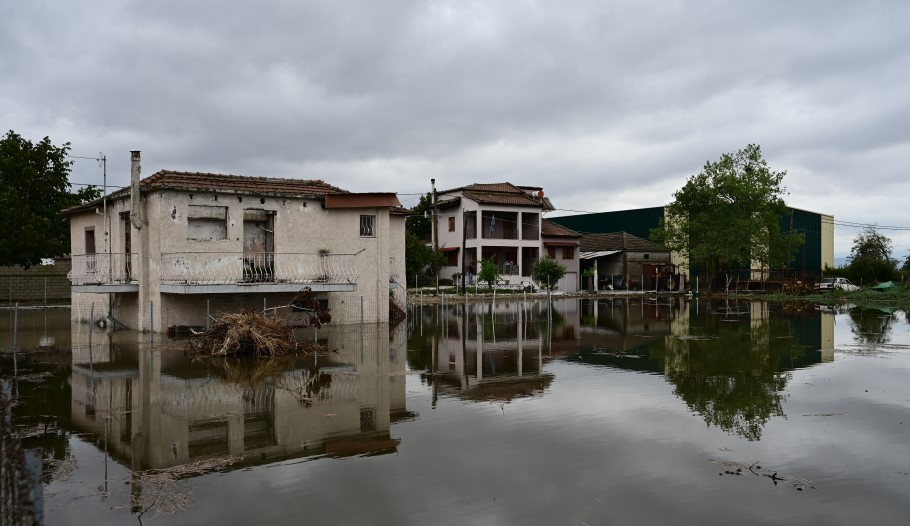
x=635 y=411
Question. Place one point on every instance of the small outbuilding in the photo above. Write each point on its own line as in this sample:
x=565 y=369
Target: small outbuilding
x=621 y=261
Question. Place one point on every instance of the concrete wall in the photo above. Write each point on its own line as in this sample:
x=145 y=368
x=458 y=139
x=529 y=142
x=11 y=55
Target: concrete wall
x=41 y=284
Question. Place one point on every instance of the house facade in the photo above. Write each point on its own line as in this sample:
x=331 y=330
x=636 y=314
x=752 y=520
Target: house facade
x=503 y=223
x=189 y=241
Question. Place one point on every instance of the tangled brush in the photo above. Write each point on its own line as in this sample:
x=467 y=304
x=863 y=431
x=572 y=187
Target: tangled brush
x=247 y=333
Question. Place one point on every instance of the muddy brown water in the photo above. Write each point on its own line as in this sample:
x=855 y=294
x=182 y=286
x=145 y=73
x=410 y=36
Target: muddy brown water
x=631 y=411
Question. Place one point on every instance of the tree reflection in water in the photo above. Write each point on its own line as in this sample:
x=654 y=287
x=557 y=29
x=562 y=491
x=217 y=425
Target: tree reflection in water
x=871 y=327
x=734 y=376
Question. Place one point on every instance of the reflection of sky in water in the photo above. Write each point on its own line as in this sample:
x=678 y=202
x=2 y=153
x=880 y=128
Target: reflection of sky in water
x=598 y=444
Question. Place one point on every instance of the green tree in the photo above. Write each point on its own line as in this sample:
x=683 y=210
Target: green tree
x=906 y=265
x=34 y=188
x=489 y=272
x=728 y=216
x=418 y=254
x=870 y=257
x=548 y=272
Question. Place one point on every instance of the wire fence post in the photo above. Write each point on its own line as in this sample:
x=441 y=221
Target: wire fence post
x=91 y=327
x=15 y=334
x=208 y=312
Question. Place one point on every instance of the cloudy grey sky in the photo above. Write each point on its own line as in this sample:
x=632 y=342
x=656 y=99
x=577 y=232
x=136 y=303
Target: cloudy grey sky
x=606 y=104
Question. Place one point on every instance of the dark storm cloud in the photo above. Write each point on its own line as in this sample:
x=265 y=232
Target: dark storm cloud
x=605 y=104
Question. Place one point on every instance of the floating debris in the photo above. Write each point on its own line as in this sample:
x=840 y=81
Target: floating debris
x=161 y=492
x=35 y=377
x=737 y=468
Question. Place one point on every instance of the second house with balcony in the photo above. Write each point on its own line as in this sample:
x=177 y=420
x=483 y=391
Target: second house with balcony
x=503 y=223
x=189 y=245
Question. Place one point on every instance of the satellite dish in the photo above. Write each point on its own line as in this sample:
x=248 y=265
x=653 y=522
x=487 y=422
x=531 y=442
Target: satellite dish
x=540 y=194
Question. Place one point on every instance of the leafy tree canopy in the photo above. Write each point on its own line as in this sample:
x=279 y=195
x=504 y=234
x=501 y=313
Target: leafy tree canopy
x=728 y=216
x=870 y=257
x=418 y=255
x=548 y=272
x=34 y=188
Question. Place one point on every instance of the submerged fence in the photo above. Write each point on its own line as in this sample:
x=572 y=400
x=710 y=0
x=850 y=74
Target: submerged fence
x=199 y=310
x=20 y=472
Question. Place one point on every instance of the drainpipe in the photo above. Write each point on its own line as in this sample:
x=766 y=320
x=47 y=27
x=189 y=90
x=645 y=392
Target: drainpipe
x=135 y=214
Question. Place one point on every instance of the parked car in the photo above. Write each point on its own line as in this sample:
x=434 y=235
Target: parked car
x=835 y=284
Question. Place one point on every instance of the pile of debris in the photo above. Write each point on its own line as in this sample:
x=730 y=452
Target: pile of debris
x=247 y=333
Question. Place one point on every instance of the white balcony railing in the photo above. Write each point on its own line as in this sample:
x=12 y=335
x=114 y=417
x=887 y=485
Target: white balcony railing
x=98 y=269
x=217 y=268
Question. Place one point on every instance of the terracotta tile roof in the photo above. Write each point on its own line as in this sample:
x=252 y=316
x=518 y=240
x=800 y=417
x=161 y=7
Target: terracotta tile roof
x=499 y=198
x=361 y=200
x=210 y=182
x=198 y=181
x=618 y=241
x=551 y=229
x=508 y=188
x=506 y=194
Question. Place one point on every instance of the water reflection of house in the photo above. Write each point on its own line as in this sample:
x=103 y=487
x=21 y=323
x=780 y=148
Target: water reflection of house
x=486 y=351
x=619 y=331
x=155 y=408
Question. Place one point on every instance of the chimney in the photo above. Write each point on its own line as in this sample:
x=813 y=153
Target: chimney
x=135 y=215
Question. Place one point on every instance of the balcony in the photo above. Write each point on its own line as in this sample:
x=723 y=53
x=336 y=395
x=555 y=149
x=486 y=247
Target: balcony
x=103 y=273
x=218 y=272
x=191 y=272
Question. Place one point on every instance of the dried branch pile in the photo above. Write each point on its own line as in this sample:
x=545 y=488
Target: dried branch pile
x=247 y=333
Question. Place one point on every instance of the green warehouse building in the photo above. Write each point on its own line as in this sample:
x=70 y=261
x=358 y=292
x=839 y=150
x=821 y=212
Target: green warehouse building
x=818 y=229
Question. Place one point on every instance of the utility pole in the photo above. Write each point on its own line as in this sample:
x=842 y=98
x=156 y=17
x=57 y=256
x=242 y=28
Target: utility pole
x=464 y=250
x=435 y=238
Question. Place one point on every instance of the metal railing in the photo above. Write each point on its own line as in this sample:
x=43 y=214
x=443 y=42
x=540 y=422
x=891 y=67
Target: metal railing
x=95 y=269
x=268 y=267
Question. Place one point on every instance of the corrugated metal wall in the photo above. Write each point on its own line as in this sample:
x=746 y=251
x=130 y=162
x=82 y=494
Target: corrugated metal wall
x=809 y=256
x=637 y=222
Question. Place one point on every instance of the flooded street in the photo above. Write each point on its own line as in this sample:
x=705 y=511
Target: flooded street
x=593 y=412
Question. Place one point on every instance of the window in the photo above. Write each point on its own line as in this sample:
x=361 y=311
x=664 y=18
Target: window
x=568 y=252
x=451 y=224
x=452 y=258
x=366 y=226
x=206 y=223
x=551 y=252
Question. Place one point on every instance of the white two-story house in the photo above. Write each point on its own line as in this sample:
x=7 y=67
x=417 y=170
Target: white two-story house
x=503 y=223
x=187 y=245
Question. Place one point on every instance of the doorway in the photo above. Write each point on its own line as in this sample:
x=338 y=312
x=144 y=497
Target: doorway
x=126 y=228
x=258 y=246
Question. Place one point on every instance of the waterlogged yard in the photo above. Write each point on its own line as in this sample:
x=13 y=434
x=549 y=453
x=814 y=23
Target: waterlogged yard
x=623 y=411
